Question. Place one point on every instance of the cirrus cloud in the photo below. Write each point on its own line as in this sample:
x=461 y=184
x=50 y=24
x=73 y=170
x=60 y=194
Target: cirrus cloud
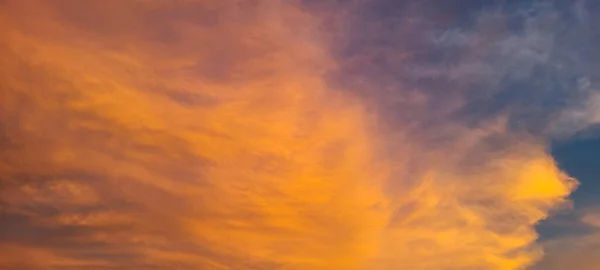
x=241 y=135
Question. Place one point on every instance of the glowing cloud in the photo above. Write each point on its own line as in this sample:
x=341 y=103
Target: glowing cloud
x=209 y=135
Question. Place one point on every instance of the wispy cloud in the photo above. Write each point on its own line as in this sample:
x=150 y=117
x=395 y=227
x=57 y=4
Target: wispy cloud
x=246 y=135
x=575 y=250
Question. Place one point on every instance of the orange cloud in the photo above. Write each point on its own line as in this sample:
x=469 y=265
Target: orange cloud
x=205 y=135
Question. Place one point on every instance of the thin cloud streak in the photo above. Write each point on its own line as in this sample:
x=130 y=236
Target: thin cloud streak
x=575 y=251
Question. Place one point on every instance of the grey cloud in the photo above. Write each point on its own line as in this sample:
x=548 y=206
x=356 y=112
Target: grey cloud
x=528 y=72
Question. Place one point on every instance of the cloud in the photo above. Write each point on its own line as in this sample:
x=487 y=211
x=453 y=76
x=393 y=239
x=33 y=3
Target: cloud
x=576 y=250
x=580 y=120
x=592 y=219
x=240 y=135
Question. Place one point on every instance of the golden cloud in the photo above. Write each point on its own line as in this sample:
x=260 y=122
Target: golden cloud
x=205 y=135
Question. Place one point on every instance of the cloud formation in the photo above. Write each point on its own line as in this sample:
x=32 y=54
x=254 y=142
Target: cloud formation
x=575 y=251
x=201 y=134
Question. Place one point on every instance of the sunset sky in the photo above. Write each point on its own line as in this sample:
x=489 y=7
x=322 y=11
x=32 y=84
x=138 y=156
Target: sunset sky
x=299 y=135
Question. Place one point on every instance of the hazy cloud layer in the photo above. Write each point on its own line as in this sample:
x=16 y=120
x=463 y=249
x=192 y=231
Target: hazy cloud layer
x=200 y=134
x=575 y=251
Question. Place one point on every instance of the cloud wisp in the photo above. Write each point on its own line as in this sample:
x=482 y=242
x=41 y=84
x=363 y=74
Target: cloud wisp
x=199 y=134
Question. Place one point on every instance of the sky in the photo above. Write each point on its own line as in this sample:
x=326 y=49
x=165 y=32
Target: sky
x=299 y=134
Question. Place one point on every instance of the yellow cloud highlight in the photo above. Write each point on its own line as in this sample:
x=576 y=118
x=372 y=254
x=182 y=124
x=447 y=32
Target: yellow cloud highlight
x=205 y=135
